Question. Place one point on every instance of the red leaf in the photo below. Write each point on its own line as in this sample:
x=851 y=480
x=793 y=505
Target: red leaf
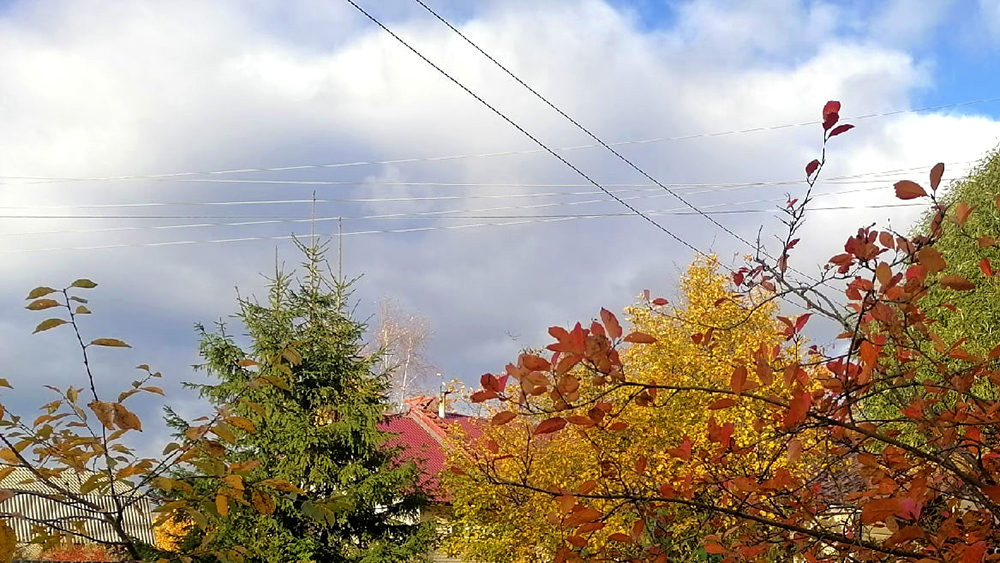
x=738 y=382
x=810 y=168
x=639 y=338
x=550 y=425
x=907 y=189
x=985 y=266
x=722 y=404
x=597 y=329
x=480 y=396
x=684 y=450
x=936 y=174
x=611 y=324
x=618 y=426
x=800 y=322
x=798 y=408
x=489 y=382
x=993 y=491
x=832 y=106
x=714 y=548
x=504 y=417
x=841 y=129
x=659 y=301
x=974 y=553
x=958 y=283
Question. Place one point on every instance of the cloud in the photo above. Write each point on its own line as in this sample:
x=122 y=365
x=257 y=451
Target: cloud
x=109 y=89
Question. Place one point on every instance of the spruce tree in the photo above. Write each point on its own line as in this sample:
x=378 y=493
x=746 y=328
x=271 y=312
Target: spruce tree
x=315 y=400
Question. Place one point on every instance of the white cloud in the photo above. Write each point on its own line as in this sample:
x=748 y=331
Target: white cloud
x=108 y=89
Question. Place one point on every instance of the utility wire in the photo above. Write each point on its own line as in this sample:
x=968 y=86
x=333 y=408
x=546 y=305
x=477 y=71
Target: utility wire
x=533 y=220
x=524 y=131
x=590 y=133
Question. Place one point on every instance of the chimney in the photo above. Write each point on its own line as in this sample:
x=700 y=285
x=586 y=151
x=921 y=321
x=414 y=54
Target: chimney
x=444 y=393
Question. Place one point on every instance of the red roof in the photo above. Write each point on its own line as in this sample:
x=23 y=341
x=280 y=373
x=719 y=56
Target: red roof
x=421 y=433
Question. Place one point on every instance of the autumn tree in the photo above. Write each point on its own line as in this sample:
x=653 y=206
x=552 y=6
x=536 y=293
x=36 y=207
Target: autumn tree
x=496 y=524
x=314 y=424
x=865 y=493
x=400 y=340
x=76 y=466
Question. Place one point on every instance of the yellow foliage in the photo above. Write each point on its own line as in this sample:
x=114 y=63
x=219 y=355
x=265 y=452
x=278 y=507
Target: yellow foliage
x=496 y=524
x=171 y=532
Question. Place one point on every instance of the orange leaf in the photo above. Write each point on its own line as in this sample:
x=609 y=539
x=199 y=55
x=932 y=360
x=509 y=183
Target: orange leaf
x=958 y=283
x=550 y=425
x=962 y=212
x=639 y=338
x=620 y=537
x=566 y=503
x=611 y=324
x=618 y=426
x=936 y=174
x=878 y=510
x=974 y=553
x=794 y=450
x=985 y=266
x=587 y=487
x=582 y=517
x=577 y=541
x=534 y=363
x=504 y=417
x=908 y=189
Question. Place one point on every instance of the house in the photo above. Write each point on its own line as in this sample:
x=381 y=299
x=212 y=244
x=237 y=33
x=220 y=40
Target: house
x=421 y=431
x=26 y=502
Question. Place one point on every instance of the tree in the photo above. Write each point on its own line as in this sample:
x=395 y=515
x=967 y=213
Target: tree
x=401 y=338
x=77 y=464
x=864 y=493
x=314 y=425
x=493 y=524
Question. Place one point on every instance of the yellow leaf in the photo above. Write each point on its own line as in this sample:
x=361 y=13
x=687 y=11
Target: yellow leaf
x=42 y=304
x=83 y=283
x=105 y=413
x=234 y=481
x=222 y=504
x=262 y=502
x=243 y=424
x=111 y=342
x=48 y=324
x=40 y=292
x=126 y=419
x=223 y=431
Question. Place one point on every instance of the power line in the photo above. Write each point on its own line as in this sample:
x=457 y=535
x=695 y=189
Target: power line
x=588 y=132
x=244 y=221
x=523 y=130
x=532 y=220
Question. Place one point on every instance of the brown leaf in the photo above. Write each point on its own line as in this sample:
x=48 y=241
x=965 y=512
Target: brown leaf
x=936 y=172
x=8 y=542
x=587 y=487
x=931 y=259
x=908 y=189
x=504 y=417
x=243 y=424
x=958 y=283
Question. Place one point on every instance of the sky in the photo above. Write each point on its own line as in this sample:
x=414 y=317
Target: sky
x=133 y=121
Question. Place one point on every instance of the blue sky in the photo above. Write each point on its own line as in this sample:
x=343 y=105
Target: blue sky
x=92 y=90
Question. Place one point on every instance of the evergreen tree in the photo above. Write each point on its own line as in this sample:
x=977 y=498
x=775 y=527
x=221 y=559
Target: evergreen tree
x=315 y=400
